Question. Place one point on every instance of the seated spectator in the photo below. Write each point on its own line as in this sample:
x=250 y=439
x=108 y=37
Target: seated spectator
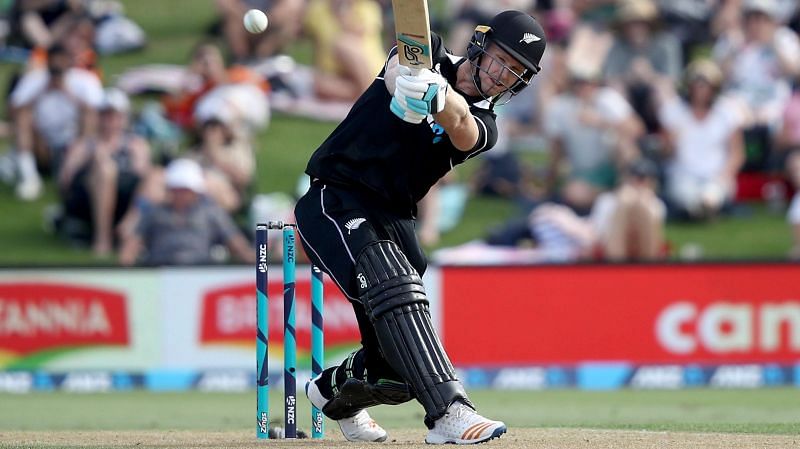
x=52 y=108
x=793 y=165
x=707 y=150
x=759 y=60
x=638 y=50
x=594 y=129
x=348 y=50
x=42 y=23
x=206 y=72
x=788 y=146
x=625 y=224
x=185 y=229
x=228 y=163
x=629 y=222
x=285 y=18
x=78 y=41
x=100 y=174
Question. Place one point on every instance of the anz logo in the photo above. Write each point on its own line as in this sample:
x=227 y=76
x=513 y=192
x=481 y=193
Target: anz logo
x=438 y=132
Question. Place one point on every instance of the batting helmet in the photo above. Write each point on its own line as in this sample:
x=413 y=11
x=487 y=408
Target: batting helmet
x=517 y=33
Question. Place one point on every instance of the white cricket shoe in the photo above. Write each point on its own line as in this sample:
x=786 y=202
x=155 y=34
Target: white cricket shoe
x=462 y=425
x=360 y=427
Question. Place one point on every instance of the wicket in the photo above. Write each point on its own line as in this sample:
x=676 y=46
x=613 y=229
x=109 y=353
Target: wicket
x=289 y=339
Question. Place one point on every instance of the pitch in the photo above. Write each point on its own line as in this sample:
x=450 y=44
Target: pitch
x=404 y=438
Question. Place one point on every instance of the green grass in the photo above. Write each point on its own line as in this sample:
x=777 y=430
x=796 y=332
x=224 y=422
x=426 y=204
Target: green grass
x=767 y=411
x=175 y=26
x=760 y=234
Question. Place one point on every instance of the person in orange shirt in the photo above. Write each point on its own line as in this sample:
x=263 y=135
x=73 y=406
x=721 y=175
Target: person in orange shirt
x=206 y=71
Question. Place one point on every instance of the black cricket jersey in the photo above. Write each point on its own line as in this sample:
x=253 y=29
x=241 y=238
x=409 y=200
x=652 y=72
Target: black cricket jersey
x=375 y=153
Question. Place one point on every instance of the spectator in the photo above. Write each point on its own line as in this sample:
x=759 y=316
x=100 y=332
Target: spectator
x=42 y=23
x=594 y=129
x=759 y=60
x=78 y=41
x=690 y=22
x=285 y=18
x=625 y=224
x=466 y=14
x=185 y=229
x=52 y=108
x=788 y=157
x=707 y=148
x=206 y=72
x=793 y=165
x=637 y=51
x=228 y=163
x=348 y=50
x=629 y=222
x=100 y=174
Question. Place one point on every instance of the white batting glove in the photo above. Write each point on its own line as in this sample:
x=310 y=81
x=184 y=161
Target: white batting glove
x=422 y=93
x=399 y=107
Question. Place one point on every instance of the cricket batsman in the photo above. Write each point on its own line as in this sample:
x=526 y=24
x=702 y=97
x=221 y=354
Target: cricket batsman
x=356 y=223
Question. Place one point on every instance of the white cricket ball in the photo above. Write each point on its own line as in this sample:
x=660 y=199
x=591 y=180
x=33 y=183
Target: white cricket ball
x=255 y=21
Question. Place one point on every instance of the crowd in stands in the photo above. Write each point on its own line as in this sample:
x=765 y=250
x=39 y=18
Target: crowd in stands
x=645 y=111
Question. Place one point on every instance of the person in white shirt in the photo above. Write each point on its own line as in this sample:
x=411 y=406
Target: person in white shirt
x=594 y=129
x=707 y=146
x=52 y=107
x=759 y=61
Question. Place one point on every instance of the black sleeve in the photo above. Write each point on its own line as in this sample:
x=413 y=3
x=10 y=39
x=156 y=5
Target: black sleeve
x=487 y=130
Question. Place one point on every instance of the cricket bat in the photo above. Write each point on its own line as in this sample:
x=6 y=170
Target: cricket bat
x=413 y=31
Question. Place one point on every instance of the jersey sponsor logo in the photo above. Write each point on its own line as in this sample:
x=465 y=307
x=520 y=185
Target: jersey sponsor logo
x=529 y=38
x=438 y=132
x=353 y=224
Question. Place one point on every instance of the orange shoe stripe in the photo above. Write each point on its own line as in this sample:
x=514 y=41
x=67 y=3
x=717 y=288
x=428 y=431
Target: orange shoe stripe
x=478 y=430
x=464 y=436
x=481 y=430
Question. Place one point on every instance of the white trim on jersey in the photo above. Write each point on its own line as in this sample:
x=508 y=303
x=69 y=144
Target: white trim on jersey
x=485 y=138
x=336 y=225
x=322 y=262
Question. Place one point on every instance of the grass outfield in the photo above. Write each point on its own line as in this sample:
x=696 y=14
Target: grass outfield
x=554 y=419
x=762 y=411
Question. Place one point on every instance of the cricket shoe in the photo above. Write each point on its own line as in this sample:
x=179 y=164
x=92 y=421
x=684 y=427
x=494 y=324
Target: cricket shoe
x=462 y=425
x=360 y=427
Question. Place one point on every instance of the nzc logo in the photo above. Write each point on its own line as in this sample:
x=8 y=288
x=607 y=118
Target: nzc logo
x=262 y=258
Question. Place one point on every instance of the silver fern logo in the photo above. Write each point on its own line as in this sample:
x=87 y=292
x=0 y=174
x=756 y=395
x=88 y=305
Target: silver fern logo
x=530 y=37
x=353 y=224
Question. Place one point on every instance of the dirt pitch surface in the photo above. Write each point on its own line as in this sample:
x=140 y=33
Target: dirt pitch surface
x=516 y=438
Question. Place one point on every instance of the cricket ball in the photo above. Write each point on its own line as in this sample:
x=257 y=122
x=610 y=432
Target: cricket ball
x=255 y=21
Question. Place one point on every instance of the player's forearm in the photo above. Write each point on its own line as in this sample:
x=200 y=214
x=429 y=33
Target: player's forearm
x=458 y=122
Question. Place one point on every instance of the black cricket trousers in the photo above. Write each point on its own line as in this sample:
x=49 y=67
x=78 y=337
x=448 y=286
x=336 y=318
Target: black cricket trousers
x=335 y=224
